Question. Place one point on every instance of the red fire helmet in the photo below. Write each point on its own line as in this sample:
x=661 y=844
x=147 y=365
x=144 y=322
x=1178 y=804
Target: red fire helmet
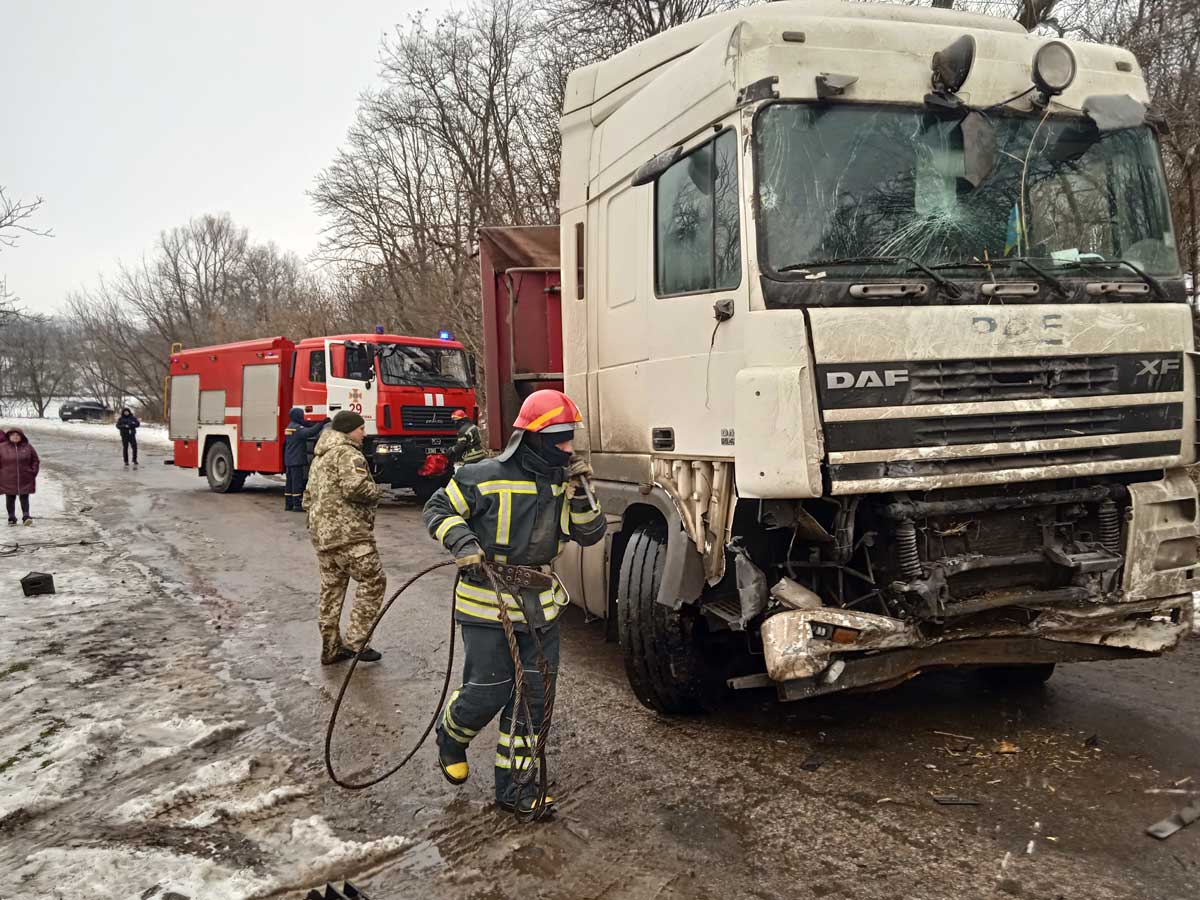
x=547 y=412
x=458 y=414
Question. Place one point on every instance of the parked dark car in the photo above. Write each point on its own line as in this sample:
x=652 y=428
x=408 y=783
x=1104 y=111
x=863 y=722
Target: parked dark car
x=87 y=410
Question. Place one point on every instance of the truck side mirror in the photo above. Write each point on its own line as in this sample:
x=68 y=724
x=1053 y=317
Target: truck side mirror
x=473 y=367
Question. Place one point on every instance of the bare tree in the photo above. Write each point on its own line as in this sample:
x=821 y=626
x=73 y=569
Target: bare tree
x=14 y=219
x=38 y=361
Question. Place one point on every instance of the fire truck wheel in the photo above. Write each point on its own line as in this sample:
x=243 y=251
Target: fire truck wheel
x=218 y=467
x=426 y=489
x=1017 y=678
x=662 y=647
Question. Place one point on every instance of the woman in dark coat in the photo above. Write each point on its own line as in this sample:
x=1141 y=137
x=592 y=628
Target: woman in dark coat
x=128 y=424
x=19 y=466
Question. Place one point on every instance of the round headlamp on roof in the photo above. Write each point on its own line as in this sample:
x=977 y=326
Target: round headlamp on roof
x=1053 y=68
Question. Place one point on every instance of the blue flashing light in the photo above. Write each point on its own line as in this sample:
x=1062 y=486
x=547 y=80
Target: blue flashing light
x=445 y=335
x=379 y=329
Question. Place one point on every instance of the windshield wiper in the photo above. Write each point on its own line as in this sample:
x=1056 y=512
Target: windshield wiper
x=1059 y=287
x=1152 y=282
x=948 y=286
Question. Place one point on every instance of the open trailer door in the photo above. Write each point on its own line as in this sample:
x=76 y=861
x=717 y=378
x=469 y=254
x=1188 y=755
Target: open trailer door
x=522 y=320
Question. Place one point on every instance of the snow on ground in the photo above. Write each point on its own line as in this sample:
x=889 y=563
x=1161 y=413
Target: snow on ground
x=123 y=772
x=148 y=435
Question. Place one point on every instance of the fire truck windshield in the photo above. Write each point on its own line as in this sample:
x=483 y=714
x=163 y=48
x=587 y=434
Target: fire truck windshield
x=409 y=364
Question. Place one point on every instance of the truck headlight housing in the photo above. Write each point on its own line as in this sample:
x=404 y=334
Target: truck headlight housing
x=386 y=449
x=1053 y=68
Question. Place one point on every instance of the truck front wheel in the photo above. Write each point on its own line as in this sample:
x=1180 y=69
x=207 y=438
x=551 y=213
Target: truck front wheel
x=662 y=647
x=218 y=467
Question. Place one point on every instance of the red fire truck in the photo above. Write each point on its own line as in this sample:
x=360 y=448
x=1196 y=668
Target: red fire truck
x=229 y=404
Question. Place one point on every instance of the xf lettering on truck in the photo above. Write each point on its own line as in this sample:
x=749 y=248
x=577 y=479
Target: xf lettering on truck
x=1157 y=366
x=867 y=378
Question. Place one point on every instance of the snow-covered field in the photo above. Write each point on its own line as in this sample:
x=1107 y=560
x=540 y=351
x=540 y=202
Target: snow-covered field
x=131 y=763
x=148 y=435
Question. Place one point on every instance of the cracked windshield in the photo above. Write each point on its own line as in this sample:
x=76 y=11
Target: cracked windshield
x=876 y=181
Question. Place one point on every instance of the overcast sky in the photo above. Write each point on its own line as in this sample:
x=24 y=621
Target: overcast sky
x=131 y=117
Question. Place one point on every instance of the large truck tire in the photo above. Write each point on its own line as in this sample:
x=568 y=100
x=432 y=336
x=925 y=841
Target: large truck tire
x=661 y=646
x=218 y=467
x=1018 y=678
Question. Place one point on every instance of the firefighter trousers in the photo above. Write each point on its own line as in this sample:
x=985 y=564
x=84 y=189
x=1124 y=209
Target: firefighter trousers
x=293 y=491
x=488 y=689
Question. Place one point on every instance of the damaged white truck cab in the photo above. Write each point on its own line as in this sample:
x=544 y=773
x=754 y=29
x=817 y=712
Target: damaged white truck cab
x=877 y=322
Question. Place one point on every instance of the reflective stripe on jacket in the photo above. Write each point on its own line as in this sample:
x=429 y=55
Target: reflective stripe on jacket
x=518 y=512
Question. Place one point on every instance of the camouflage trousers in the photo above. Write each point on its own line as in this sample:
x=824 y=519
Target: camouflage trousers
x=361 y=562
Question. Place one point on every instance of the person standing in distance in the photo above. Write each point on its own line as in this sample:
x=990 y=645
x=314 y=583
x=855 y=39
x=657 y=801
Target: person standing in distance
x=128 y=424
x=19 y=465
x=340 y=501
x=295 y=458
x=468 y=448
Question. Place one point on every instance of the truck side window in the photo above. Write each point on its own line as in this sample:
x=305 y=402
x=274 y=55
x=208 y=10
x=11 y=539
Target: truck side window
x=316 y=366
x=358 y=362
x=697 y=241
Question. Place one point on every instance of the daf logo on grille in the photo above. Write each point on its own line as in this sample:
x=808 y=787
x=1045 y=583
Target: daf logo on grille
x=867 y=378
x=1157 y=366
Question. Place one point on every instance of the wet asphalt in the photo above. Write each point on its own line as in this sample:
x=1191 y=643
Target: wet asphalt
x=757 y=799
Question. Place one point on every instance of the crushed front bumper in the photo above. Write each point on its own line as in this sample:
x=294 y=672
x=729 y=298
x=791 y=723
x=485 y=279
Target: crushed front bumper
x=810 y=652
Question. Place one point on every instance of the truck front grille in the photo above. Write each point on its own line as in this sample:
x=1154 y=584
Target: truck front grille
x=931 y=468
x=916 y=382
x=942 y=431
x=956 y=381
x=428 y=417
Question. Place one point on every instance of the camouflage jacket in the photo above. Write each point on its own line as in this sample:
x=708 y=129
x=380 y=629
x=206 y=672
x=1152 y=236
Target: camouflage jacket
x=341 y=495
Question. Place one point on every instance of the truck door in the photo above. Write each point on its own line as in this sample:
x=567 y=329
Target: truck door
x=352 y=382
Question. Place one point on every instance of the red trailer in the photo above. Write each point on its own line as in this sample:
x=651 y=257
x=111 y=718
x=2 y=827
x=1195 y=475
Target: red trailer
x=229 y=404
x=522 y=319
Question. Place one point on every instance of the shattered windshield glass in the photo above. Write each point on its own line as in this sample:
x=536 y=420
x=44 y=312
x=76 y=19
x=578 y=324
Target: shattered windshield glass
x=409 y=364
x=842 y=181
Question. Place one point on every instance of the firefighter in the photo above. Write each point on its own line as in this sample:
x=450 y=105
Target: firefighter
x=520 y=508
x=295 y=458
x=340 y=501
x=469 y=446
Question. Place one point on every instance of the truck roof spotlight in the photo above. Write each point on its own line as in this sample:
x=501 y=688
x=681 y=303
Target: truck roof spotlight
x=1053 y=68
x=952 y=64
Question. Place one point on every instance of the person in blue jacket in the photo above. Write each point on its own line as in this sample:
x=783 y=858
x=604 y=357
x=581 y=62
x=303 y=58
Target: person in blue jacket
x=295 y=458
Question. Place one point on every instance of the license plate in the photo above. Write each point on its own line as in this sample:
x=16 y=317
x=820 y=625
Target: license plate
x=430 y=451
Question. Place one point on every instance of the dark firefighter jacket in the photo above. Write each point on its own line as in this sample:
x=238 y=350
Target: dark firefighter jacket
x=517 y=510
x=128 y=425
x=469 y=446
x=295 y=445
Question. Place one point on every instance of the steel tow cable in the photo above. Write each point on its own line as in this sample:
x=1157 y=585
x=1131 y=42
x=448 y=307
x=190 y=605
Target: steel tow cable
x=521 y=710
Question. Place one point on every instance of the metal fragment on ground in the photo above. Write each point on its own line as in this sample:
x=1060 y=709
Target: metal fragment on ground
x=953 y=800
x=1175 y=822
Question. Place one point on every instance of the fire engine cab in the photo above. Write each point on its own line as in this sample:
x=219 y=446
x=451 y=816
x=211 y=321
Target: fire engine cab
x=229 y=404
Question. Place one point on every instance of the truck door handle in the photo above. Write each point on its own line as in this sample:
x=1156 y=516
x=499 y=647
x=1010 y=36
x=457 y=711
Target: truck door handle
x=333 y=406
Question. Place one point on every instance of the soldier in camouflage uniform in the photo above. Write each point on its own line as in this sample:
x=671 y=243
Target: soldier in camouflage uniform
x=340 y=501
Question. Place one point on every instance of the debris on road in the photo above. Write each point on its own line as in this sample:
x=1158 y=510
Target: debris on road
x=36 y=583
x=961 y=737
x=1005 y=747
x=953 y=800
x=813 y=763
x=1175 y=822
x=348 y=892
